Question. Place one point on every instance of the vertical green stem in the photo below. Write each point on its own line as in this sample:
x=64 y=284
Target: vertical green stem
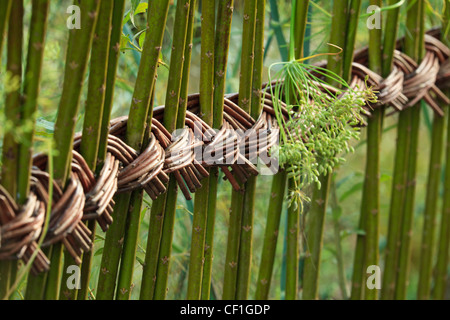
x=76 y=65
x=222 y=43
x=431 y=201
x=5 y=9
x=441 y=270
x=201 y=197
x=271 y=236
x=371 y=208
x=140 y=108
x=92 y=118
x=10 y=155
x=245 y=97
x=113 y=59
x=319 y=200
x=171 y=111
x=246 y=247
x=414 y=49
x=353 y=20
x=391 y=256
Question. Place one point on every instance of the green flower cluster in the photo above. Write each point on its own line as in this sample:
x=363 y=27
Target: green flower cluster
x=321 y=121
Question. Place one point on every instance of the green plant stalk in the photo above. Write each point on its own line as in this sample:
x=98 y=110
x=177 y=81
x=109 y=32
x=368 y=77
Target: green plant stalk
x=371 y=208
x=414 y=48
x=152 y=251
x=301 y=21
x=293 y=247
x=75 y=70
x=441 y=269
x=131 y=238
x=5 y=10
x=319 y=200
x=271 y=236
x=10 y=155
x=31 y=92
x=171 y=111
x=113 y=59
x=232 y=255
x=432 y=195
x=137 y=121
x=92 y=118
x=353 y=20
x=222 y=43
x=246 y=247
x=337 y=212
x=245 y=97
x=158 y=206
x=199 y=223
x=389 y=275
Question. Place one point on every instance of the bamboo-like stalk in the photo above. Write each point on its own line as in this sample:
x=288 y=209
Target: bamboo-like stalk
x=299 y=18
x=237 y=199
x=206 y=107
x=271 y=236
x=414 y=48
x=319 y=200
x=10 y=155
x=428 y=235
x=93 y=116
x=76 y=65
x=5 y=9
x=140 y=108
x=389 y=276
x=31 y=92
x=170 y=122
x=113 y=59
x=246 y=247
x=371 y=207
x=355 y=9
x=222 y=43
x=441 y=269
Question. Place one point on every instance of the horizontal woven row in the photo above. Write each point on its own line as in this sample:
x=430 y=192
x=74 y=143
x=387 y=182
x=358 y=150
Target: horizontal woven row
x=236 y=146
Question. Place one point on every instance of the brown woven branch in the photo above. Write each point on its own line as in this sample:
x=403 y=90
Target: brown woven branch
x=88 y=197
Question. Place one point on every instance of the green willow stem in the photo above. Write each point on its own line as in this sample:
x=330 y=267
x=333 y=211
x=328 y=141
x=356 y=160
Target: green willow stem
x=245 y=97
x=319 y=200
x=5 y=9
x=441 y=273
x=299 y=19
x=292 y=247
x=431 y=201
x=75 y=70
x=413 y=48
x=140 y=108
x=10 y=154
x=441 y=268
x=271 y=236
x=222 y=43
x=246 y=247
x=353 y=20
x=92 y=118
x=171 y=111
x=371 y=207
x=389 y=275
x=31 y=92
x=206 y=108
x=113 y=59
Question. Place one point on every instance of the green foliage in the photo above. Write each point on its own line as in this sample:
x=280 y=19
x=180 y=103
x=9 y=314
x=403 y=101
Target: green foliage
x=322 y=121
